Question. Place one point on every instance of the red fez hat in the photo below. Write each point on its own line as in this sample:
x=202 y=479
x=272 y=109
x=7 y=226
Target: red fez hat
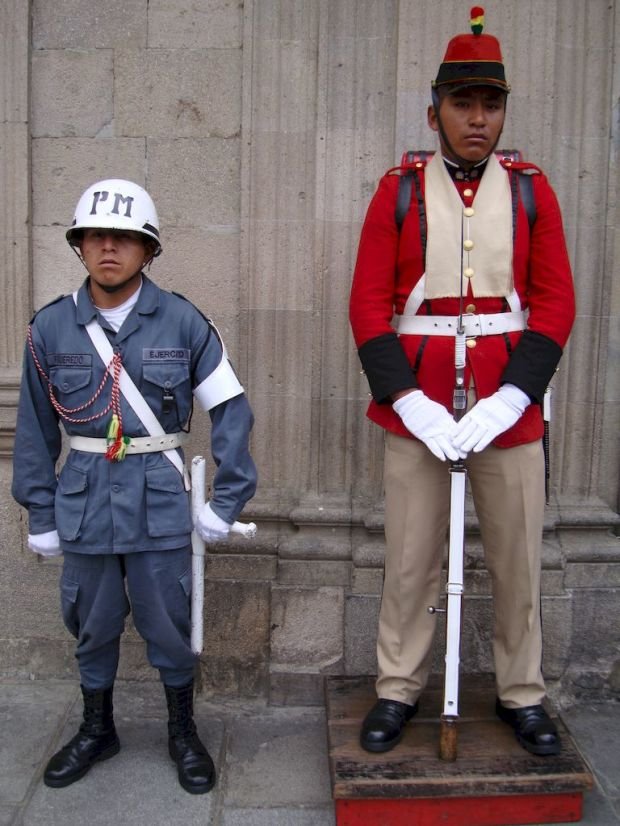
x=472 y=59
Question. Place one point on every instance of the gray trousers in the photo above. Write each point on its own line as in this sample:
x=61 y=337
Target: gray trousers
x=508 y=492
x=97 y=593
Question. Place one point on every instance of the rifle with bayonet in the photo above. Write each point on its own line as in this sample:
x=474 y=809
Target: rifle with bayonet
x=454 y=586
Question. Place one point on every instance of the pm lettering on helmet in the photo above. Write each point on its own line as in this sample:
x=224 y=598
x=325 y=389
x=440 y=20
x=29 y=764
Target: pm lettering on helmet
x=119 y=199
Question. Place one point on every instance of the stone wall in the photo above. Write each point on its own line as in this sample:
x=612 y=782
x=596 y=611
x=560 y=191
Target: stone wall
x=261 y=130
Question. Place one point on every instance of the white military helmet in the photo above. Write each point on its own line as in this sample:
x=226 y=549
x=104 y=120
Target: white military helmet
x=115 y=204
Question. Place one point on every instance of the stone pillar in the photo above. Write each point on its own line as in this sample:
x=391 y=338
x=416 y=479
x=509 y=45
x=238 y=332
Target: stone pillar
x=317 y=125
x=15 y=249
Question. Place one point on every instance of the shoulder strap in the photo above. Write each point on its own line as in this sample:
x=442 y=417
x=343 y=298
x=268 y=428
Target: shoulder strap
x=409 y=175
x=526 y=190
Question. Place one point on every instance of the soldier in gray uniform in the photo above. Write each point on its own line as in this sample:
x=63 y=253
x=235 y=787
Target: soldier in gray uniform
x=120 y=363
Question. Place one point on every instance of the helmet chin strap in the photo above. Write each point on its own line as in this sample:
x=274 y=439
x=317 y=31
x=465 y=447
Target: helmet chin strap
x=463 y=162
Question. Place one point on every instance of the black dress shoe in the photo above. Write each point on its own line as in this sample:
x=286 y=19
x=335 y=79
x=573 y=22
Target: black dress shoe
x=384 y=724
x=534 y=729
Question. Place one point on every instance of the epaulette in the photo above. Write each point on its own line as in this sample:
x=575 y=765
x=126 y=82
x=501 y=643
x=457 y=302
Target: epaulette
x=410 y=161
x=49 y=304
x=191 y=303
x=525 y=167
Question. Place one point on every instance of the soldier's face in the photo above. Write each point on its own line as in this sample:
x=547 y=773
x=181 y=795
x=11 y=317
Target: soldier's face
x=114 y=260
x=472 y=120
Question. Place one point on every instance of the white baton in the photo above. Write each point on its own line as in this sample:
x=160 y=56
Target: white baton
x=247 y=530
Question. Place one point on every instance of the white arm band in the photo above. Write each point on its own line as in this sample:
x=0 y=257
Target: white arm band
x=219 y=386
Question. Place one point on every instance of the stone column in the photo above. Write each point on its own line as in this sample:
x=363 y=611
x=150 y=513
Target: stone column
x=15 y=274
x=317 y=125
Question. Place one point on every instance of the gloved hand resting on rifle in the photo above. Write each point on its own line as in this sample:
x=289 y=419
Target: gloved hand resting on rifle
x=488 y=418
x=430 y=422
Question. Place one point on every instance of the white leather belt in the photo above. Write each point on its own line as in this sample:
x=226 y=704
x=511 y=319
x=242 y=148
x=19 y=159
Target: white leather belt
x=486 y=324
x=138 y=444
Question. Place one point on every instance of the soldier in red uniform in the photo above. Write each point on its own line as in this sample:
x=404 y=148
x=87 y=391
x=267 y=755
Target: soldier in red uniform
x=483 y=236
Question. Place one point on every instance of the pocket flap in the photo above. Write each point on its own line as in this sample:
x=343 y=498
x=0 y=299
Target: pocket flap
x=69 y=590
x=166 y=375
x=166 y=479
x=70 y=379
x=72 y=480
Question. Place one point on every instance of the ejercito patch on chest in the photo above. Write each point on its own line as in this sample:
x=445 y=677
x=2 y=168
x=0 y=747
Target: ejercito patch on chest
x=159 y=354
x=69 y=359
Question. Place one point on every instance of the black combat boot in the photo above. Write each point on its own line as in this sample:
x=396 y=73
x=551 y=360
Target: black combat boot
x=96 y=740
x=194 y=765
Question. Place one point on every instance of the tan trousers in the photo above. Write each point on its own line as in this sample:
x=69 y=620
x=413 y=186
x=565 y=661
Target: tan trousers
x=508 y=491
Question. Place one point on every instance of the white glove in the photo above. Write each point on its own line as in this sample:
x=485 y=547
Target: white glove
x=45 y=544
x=489 y=417
x=210 y=527
x=430 y=422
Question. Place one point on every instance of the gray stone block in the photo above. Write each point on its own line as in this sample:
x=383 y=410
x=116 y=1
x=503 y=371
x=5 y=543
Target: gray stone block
x=69 y=165
x=236 y=641
x=282 y=816
x=14 y=62
x=38 y=658
x=592 y=575
x=31 y=715
x=596 y=616
x=75 y=24
x=360 y=634
x=185 y=24
x=367 y=581
x=558 y=630
x=292 y=688
x=192 y=93
x=276 y=746
x=306 y=626
x=72 y=92
x=195 y=182
x=203 y=265
x=240 y=567
x=313 y=573
x=50 y=251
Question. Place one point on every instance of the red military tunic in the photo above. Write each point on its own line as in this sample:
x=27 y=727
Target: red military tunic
x=389 y=265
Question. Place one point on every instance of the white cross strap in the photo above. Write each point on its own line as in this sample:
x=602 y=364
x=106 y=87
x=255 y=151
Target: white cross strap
x=134 y=398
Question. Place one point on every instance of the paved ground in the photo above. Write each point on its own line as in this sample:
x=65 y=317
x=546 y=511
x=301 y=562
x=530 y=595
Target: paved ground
x=272 y=762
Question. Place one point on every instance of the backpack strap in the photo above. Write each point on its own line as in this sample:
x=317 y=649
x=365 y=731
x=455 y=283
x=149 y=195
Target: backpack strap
x=526 y=190
x=412 y=164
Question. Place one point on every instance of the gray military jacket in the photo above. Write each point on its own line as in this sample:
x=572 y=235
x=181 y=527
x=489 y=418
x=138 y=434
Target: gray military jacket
x=170 y=350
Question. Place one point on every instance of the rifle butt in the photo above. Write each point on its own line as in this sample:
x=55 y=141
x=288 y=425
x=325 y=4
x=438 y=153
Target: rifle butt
x=447 y=738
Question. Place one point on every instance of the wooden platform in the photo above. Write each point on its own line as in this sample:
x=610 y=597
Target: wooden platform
x=494 y=781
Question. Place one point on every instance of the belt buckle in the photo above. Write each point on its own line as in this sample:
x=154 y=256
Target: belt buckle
x=467 y=316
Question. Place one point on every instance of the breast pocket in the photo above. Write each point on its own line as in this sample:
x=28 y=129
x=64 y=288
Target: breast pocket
x=167 y=388
x=70 y=502
x=167 y=503
x=71 y=384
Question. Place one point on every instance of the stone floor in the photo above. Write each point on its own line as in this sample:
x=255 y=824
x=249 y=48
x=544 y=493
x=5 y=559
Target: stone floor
x=272 y=762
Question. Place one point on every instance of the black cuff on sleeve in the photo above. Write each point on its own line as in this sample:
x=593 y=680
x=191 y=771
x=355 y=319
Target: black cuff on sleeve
x=386 y=367
x=532 y=364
